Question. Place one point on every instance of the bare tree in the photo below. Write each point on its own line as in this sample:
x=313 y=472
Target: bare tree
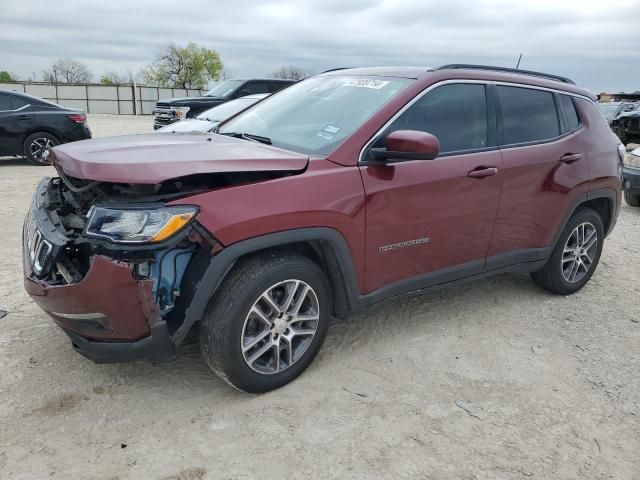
x=227 y=73
x=67 y=70
x=291 y=72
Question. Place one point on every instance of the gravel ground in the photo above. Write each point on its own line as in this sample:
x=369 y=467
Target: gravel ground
x=495 y=379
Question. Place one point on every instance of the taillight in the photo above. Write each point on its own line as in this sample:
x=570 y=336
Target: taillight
x=77 y=117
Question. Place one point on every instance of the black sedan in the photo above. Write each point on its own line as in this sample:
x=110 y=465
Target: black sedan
x=30 y=126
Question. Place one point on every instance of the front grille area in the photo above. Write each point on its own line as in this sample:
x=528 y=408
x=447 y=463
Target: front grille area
x=39 y=249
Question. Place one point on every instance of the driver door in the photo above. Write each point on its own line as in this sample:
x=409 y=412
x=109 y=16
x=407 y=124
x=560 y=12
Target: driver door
x=431 y=221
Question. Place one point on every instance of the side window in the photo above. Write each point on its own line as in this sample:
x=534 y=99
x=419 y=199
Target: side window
x=455 y=113
x=275 y=86
x=255 y=87
x=18 y=102
x=570 y=113
x=527 y=115
x=5 y=102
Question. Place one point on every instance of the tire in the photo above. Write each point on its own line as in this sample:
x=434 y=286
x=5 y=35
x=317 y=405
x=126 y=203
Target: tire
x=239 y=314
x=633 y=199
x=553 y=277
x=36 y=144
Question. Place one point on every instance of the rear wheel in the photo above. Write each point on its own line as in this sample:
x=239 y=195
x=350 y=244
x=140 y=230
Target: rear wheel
x=267 y=322
x=575 y=256
x=36 y=147
x=632 y=199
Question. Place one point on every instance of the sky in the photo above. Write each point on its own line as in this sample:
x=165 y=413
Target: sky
x=597 y=44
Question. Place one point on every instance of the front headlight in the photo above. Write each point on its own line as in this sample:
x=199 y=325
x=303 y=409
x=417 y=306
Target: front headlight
x=632 y=159
x=181 y=112
x=138 y=225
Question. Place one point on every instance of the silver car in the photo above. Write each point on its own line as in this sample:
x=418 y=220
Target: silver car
x=209 y=119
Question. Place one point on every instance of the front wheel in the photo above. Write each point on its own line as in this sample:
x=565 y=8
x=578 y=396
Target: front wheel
x=36 y=147
x=575 y=256
x=267 y=322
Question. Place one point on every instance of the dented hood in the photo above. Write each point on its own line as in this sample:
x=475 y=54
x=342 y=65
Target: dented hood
x=154 y=158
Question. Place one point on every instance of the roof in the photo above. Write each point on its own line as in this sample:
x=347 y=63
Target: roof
x=264 y=79
x=401 y=72
x=469 y=72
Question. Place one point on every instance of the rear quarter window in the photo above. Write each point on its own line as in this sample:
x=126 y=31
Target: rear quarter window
x=527 y=115
x=571 y=115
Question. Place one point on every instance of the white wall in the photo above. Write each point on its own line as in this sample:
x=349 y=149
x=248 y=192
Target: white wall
x=102 y=98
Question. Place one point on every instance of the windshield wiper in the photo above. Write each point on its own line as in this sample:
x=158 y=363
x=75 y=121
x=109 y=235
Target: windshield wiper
x=248 y=136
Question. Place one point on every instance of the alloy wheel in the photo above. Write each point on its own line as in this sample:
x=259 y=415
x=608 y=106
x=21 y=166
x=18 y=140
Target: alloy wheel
x=40 y=147
x=280 y=326
x=579 y=252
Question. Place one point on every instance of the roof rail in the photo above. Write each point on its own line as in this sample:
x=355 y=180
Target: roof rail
x=335 y=69
x=549 y=76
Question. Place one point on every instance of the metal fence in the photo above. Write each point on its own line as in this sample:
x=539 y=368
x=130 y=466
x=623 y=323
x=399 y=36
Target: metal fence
x=118 y=100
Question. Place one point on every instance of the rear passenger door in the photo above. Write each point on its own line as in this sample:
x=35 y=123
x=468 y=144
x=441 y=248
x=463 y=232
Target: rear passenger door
x=544 y=169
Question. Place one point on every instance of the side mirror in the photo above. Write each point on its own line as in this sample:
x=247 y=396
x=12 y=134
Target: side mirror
x=403 y=145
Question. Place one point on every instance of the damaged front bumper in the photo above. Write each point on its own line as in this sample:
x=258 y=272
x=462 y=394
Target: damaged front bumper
x=122 y=305
x=109 y=315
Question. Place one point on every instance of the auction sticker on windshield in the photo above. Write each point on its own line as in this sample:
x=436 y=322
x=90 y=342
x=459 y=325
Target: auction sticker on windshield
x=365 y=83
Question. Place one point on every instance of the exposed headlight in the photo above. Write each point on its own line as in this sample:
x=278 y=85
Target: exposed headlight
x=181 y=112
x=632 y=159
x=138 y=225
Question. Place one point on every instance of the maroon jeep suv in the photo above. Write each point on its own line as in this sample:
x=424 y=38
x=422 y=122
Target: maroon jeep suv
x=348 y=188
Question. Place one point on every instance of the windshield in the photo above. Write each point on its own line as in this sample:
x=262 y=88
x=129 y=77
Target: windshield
x=225 y=88
x=609 y=108
x=226 y=110
x=315 y=115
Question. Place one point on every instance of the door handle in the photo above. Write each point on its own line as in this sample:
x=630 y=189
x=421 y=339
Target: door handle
x=482 y=172
x=570 y=157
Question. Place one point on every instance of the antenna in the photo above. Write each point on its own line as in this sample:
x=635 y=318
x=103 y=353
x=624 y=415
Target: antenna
x=518 y=64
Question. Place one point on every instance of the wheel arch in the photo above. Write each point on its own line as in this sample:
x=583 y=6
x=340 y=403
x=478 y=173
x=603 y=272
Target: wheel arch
x=325 y=246
x=605 y=201
x=40 y=129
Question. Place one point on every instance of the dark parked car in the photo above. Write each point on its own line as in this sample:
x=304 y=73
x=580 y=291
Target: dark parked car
x=174 y=109
x=30 y=126
x=627 y=126
x=209 y=119
x=611 y=110
x=346 y=189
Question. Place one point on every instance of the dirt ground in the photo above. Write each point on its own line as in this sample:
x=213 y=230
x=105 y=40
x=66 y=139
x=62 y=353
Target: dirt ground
x=491 y=380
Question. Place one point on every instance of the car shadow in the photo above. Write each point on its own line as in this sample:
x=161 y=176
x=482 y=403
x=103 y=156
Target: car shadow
x=422 y=314
x=12 y=161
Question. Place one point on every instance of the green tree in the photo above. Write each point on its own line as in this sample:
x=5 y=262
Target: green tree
x=183 y=67
x=6 y=77
x=115 y=78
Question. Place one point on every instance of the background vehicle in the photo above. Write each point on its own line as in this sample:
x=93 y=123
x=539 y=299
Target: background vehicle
x=631 y=176
x=174 y=109
x=347 y=189
x=207 y=120
x=30 y=126
x=627 y=126
x=611 y=110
